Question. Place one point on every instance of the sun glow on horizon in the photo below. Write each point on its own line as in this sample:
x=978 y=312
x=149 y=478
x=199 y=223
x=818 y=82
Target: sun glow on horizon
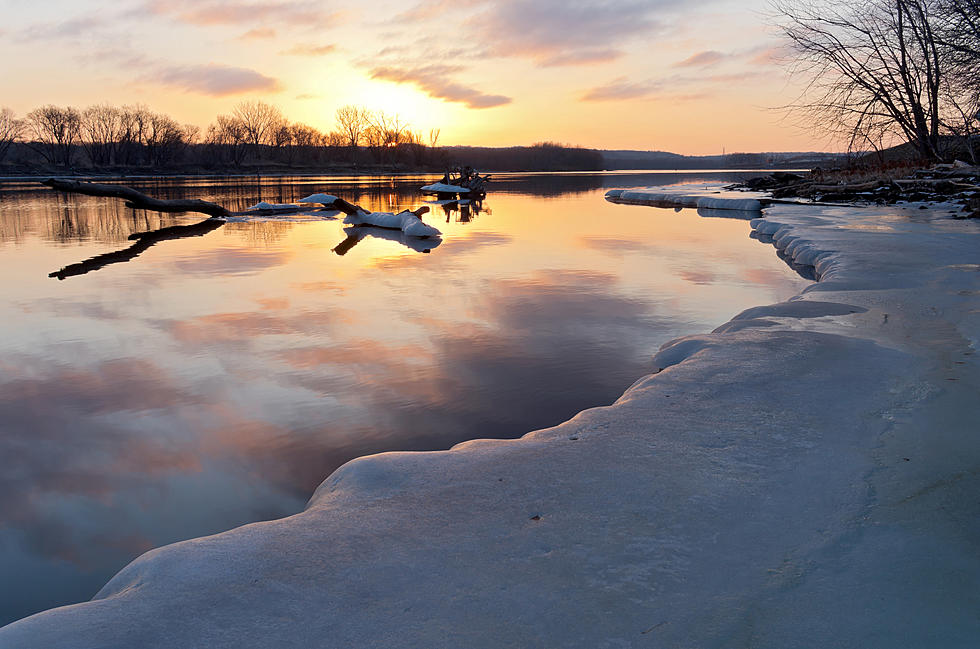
x=691 y=79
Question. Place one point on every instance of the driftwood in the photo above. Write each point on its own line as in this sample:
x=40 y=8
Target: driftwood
x=933 y=182
x=140 y=201
x=854 y=187
x=135 y=199
x=217 y=215
x=467 y=178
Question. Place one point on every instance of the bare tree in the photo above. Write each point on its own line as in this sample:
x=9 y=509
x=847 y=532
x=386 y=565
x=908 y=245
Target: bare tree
x=874 y=69
x=192 y=133
x=959 y=31
x=163 y=139
x=101 y=133
x=54 y=132
x=260 y=121
x=384 y=133
x=392 y=129
x=227 y=138
x=351 y=123
x=304 y=135
x=134 y=124
x=959 y=35
x=10 y=129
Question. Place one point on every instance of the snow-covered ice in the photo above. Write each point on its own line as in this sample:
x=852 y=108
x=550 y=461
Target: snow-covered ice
x=710 y=196
x=804 y=476
x=262 y=205
x=322 y=199
x=443 y=188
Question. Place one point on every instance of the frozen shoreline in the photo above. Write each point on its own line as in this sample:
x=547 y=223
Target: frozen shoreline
x=803 y=476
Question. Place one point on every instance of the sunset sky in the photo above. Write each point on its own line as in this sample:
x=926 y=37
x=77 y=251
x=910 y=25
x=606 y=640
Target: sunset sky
x=688 y=77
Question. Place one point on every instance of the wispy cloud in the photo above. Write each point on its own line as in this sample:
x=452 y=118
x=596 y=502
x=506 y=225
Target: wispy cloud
x=769 y=55
x=623 y=88
x=70 y=29
x=214 y=79
x=702 y=59
x=581 y=57
x=310 y=50
x=678 y=87
x=548 y=32
x=244 y=12
x=258 y=33
x=565 y=32
x=436 y=82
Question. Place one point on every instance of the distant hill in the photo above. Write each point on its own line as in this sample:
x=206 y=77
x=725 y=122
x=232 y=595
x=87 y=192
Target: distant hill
x=555 y=157
x=539 y=157
x=626 y=159
x=950 y=148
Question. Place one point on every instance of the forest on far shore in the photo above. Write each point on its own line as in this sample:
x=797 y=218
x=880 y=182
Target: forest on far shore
x=255 y=136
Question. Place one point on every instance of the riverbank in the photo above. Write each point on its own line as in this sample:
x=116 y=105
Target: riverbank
x=956 y=183
x=802 y=476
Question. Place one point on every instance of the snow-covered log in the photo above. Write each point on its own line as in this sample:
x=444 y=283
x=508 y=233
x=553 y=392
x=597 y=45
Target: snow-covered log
x=408 y=222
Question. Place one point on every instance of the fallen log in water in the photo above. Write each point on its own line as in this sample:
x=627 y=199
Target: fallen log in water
x=408 y=221
x=137 y=200
x=140 y=201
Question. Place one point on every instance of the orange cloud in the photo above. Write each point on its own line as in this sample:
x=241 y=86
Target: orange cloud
x=434 y=80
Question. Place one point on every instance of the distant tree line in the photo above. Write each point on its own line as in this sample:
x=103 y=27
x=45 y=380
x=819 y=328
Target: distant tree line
x=254 y=134
x=543 y=156
x=881 y=72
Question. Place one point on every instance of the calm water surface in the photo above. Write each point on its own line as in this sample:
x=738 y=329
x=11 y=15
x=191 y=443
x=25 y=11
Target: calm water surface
x=209 y=381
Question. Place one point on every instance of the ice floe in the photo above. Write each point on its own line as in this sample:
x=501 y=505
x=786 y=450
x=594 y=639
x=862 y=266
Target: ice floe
x=443 y=188
x=322 y=199
x=710 y=197
x=272 y=206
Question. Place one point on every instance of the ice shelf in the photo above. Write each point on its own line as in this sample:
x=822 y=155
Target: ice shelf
x=714 y=197
x=443 y=188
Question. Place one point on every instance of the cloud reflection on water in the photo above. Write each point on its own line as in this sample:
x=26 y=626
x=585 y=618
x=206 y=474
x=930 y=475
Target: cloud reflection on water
x=217 y=381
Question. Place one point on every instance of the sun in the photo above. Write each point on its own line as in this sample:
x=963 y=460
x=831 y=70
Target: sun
x=413 y=106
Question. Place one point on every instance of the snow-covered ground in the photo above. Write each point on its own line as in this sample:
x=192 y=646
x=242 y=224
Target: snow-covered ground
x=804 y=476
